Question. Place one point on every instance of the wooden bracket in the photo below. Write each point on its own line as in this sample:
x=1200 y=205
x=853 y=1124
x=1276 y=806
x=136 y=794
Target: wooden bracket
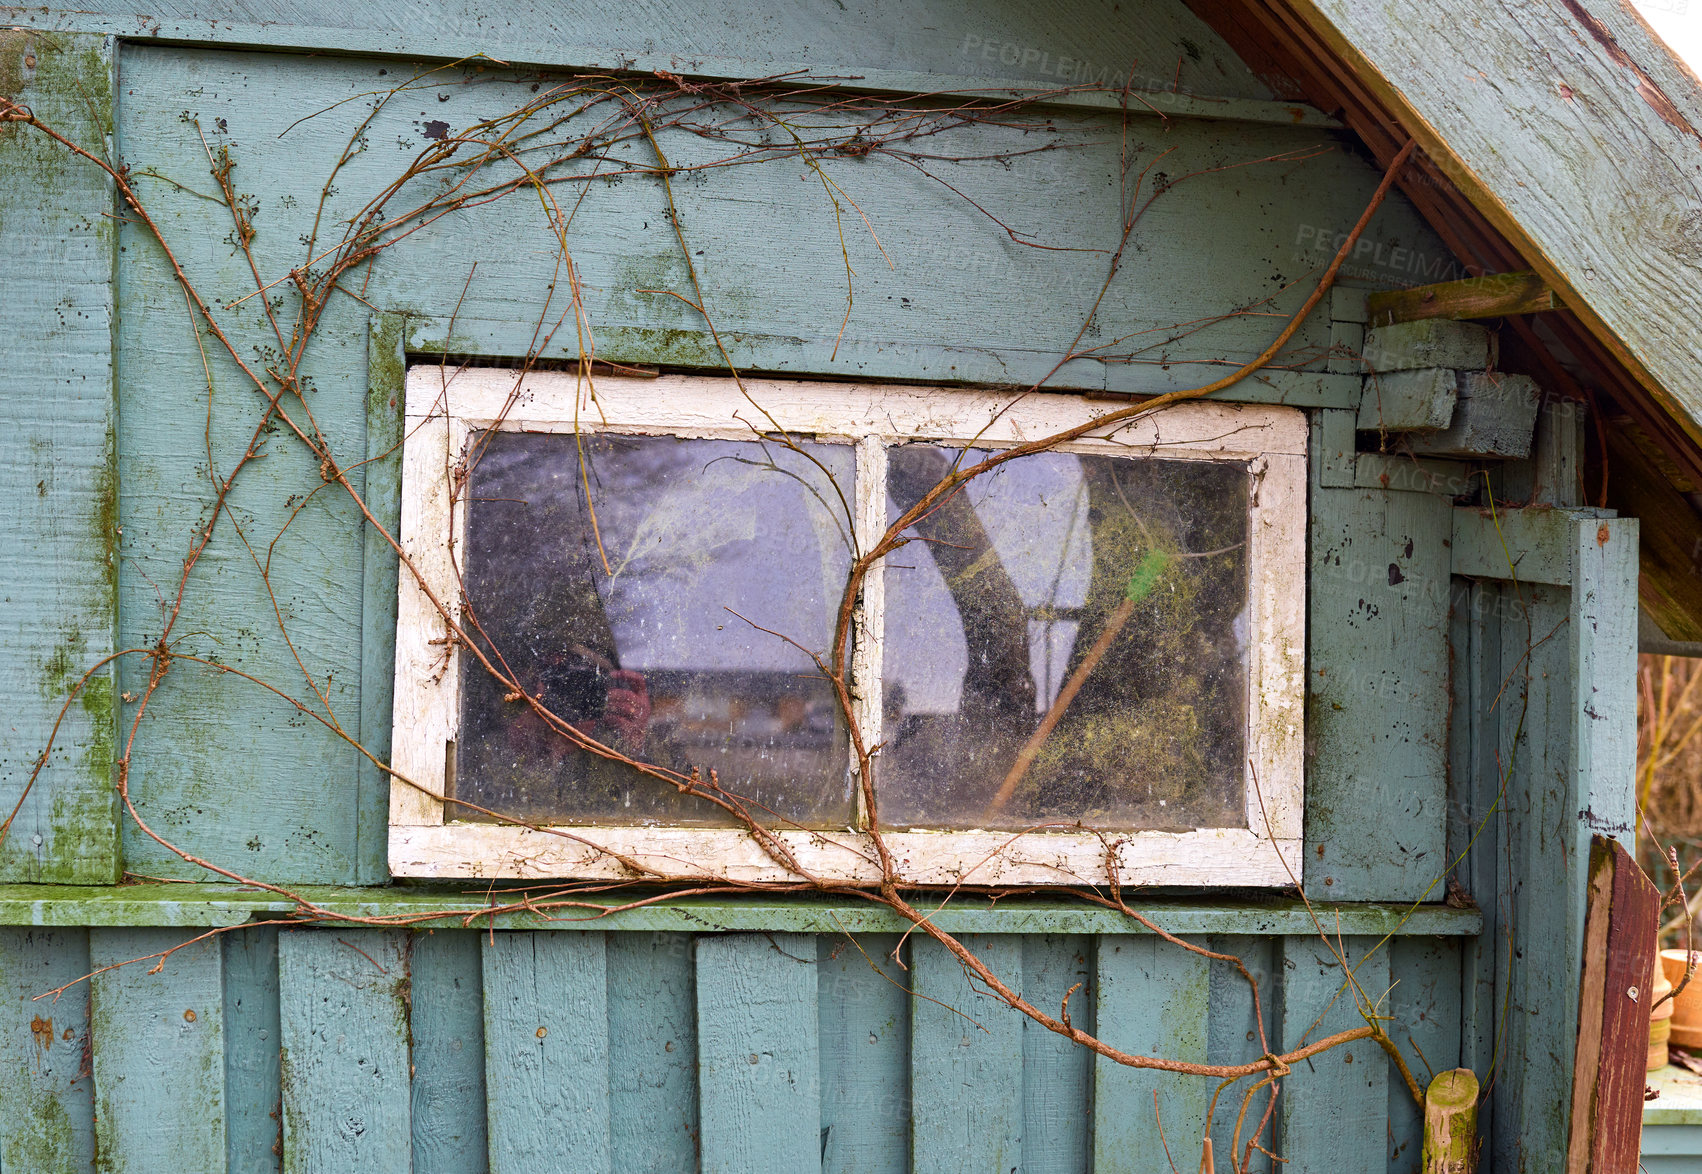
x=1494 y=295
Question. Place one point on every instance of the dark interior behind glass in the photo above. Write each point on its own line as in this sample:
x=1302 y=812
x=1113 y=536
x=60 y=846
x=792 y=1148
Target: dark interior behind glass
x=637 y=621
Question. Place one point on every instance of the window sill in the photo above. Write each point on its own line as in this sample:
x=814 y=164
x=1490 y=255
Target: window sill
x=195 y=905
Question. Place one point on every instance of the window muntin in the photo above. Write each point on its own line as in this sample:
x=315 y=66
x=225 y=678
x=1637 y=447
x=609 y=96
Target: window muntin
x=1223 y=506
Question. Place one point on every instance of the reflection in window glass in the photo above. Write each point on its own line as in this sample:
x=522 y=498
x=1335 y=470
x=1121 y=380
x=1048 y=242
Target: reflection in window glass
x=1117 y=584
x=647 y=655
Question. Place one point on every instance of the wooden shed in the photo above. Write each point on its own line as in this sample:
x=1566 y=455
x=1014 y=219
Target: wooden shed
x=508 y=667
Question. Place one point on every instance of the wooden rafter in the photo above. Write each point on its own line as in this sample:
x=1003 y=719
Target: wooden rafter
x=1497 y=295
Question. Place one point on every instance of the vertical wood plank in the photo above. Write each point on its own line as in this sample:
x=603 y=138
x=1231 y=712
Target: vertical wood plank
x=227 y=772
x=1623 y=913
x=547 y=1052
x=1232 y=1023
x=1602 y=647
x=1377 y=693
x=1333 y=1111
x=254 y=1109
x=381 y=485
x=966 y=1060
x=653 y=1122
x=159 y=1054
x=759 y=1058
x=1333 y=454
x=343 y=1004
x=1057 y=1074
x=865 y=1055
x=1531 y=1106
x=1425 y=1008
x=1154 y=999
x=45 y=1084
x=1566 y=734
x=446 y=1019
x=58 y=481
x=1474 y=828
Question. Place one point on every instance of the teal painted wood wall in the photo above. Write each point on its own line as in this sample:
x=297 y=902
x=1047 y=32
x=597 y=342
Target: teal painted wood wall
x=957 y=303
x=341 y=1049
x=350 y=1048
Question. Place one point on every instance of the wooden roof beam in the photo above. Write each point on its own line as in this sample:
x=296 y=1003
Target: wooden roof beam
x=1497 y=295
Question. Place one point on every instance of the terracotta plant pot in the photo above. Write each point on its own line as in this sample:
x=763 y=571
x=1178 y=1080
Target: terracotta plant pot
x=1687 y=1007
x=1660 y=1018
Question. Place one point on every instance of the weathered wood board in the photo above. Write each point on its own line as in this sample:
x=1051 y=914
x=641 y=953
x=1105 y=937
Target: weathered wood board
x=1173 y=61
x=547 y=1059
x=775 y=293
x=349 y=1048
x=346 y=1056
x=759 y=1053
x=157 y=1006
x=254 y=1104
x=966 y=1072
x=58 y=480
x=653 y=1091
x=865 y=1054
x=1336 y=1103
x=1057 y=1076
x=447 y=1029
x=1589 y=88
x=1377 y=694
x=46 y=1080
x=1153 y=999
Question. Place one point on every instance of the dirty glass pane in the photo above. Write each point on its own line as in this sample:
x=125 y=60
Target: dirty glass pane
x=647 y=655
x=1124 y=576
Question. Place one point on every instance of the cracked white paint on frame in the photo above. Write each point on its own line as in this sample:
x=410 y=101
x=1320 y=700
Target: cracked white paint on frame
x=445 y=406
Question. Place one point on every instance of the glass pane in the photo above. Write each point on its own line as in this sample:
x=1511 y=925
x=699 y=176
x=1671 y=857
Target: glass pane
x=1067 y=642
x=647 y=655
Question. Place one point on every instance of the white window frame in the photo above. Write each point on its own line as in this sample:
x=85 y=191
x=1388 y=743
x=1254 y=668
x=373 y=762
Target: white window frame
x=445 y=405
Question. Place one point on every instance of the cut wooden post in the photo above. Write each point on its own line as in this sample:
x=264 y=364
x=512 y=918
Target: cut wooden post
x=1407 y=400
x=1414 y=346
x=1493 y=295
x=1613 y=1013
x=1494 y=416
x=1450 y=1123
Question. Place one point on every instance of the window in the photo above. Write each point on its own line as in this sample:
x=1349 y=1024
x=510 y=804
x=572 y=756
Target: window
x=1095 y=648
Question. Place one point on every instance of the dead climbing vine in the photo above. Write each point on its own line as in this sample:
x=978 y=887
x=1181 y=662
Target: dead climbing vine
x=600 y=129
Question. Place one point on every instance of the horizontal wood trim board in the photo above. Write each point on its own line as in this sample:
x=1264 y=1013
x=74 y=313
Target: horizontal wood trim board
x=634 y=348
x=1148 y=97
x=992 y=859
x=211 y=905
x=1531 y=545
x=1495 y=295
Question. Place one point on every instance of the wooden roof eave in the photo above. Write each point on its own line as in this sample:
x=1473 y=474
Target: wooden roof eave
x=1562 y=139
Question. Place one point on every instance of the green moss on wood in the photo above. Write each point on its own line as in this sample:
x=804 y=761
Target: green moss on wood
x=387 y=369
x=44 y=1133
x=104 y=517
x=223 y=904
